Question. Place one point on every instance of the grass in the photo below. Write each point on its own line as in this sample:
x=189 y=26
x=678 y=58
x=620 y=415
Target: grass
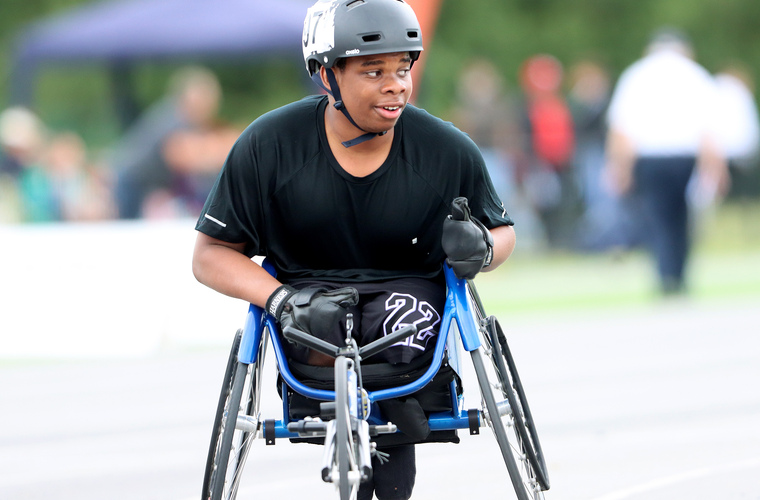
x=725 y=264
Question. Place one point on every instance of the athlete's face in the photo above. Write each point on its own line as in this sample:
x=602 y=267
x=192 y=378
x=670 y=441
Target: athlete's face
x=375 y=89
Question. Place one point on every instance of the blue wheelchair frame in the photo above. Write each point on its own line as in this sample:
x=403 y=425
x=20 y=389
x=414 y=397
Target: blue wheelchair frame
x=457 y=310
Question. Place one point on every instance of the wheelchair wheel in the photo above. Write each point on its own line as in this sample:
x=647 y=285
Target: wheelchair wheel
x=507 y=412
x=510 y=379
x=230 y=442
x=345 y=445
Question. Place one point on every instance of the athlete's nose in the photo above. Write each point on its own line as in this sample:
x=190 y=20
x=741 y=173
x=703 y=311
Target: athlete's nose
x=396 y=84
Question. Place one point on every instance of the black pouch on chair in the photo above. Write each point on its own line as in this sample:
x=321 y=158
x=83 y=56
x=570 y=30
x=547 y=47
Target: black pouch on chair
x=410 y=413
x=407 y=414
x=413 y=426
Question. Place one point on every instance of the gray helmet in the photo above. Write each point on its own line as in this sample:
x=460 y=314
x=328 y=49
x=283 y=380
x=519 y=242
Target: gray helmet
x=348 y=28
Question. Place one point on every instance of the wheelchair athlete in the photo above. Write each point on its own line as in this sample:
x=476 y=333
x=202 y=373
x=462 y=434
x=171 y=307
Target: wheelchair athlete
x=357 y=198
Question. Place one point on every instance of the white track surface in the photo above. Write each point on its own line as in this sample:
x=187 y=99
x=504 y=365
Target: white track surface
x=637 y=404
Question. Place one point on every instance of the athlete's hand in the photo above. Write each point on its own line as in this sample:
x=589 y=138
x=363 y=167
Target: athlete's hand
x=468 y=244
x=311 y=310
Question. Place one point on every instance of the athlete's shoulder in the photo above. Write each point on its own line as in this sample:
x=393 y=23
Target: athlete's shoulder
x=420 y=116
x=430 y=131
x=289 y=119
x=284 y=137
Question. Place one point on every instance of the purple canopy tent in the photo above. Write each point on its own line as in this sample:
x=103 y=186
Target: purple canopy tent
x=119 y=33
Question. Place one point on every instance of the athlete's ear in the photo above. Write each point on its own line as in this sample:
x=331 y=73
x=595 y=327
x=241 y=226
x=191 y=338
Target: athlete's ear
x=323 y=77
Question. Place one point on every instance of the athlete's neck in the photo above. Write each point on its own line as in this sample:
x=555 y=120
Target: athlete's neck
x=359 y=160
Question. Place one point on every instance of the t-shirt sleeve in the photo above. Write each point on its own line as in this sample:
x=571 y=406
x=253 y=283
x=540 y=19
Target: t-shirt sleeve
x=484 y=202
x=233 y=209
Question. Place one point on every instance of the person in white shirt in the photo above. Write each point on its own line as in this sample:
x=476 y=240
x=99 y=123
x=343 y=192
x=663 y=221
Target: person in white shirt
x=739 y=130
x=662 y=123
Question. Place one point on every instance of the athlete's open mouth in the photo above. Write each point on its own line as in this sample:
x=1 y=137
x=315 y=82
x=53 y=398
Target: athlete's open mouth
x=390 y=111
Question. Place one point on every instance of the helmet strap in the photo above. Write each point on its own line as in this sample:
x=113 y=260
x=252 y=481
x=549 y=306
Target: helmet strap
x=342 y=108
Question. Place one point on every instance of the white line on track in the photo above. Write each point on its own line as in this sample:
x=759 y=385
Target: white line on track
x=679 y=478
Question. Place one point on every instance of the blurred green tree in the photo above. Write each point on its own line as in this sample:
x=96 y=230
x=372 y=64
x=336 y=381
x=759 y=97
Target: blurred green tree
x=504 y=31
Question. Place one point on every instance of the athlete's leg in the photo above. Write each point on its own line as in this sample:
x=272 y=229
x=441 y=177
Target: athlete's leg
x=392 y=479
x=386 y=307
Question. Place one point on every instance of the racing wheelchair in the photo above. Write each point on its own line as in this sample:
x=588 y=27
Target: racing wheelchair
x=349 y=416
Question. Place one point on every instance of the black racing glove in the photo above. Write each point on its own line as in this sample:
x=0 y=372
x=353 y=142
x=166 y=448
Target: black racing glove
x=467 y=242
x=312 y=310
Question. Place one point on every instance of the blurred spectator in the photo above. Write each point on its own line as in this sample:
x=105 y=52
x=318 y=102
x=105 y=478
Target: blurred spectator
x=604 y=222
x=26 y=187
x=544 y=165
x=21 y=139
x=484 y=111
x=194 y=158
x=662 y=122
x=143 y=175
x=739 y=129
x=80 y=190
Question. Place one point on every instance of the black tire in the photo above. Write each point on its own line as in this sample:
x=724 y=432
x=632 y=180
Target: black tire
x=522 y=490
x=506 y=412
x=513 y=390
x=230 y=446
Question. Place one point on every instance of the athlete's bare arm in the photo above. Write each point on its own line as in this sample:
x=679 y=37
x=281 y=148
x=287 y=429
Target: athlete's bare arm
x=223 y=267
x=504 y=240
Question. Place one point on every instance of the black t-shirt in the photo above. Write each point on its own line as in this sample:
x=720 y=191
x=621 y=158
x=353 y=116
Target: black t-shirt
x=282 y=192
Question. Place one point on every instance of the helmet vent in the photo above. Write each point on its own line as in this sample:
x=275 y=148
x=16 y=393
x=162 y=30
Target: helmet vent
x=353 y=4
x=412 y=34
x=372 y=37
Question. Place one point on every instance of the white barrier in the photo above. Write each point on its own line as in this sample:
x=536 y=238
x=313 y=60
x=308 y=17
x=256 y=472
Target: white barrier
x=119 y=289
